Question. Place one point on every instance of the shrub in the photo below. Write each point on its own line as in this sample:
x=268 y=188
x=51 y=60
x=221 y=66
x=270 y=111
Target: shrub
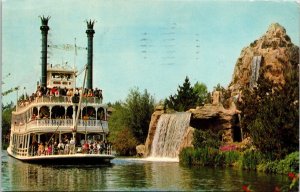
x=185 y=156
x=289 y=164
x=204 y=139
x=271 y=112
x=125 y=143
x=250 y=159
x=231 y=157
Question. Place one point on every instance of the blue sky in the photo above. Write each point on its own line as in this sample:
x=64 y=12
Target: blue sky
x=151 y=45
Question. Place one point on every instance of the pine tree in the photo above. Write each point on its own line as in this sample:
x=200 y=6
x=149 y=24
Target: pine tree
x=185 y=98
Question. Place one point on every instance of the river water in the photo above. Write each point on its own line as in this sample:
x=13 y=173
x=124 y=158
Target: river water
x=130 y=175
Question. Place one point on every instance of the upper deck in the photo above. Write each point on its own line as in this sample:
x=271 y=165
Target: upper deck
x=61 y=76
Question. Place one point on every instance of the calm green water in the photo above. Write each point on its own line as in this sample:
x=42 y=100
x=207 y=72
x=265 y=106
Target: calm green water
x=129 y=175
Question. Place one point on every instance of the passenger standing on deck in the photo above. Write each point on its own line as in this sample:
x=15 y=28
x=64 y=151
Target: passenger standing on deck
x=72 y=146
x=61 y=148
x=67 y=147
x=41 y=149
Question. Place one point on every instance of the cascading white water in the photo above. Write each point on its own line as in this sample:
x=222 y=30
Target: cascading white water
x=169 y=134
x=255 y=66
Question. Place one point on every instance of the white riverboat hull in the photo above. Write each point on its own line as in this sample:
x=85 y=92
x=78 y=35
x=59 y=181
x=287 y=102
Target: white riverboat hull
x=70 y=159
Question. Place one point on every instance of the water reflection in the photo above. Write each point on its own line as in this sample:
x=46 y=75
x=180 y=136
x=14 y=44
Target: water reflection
x=129 y=174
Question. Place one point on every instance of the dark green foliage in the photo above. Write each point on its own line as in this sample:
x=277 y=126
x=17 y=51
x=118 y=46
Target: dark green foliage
x=250 y=159
x=125 y=143
x=185 y=156
x=6 y=121
x=206 y=139
x=272 y=113
x=205 y=156
x=117 y=121
x=133 y=116
x=289 y=164
x=225 y=95
x=231 y=157
x=219 y=88
x=140 y=107
x=186 y=98
x=200 y=90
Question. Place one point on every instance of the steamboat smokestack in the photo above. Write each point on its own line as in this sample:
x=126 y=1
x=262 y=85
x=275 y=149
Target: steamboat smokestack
x=44 y=30
x=90 y=34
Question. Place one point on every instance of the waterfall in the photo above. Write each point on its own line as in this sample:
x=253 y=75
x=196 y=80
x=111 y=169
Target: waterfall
x=169 y=134
x=255 y=65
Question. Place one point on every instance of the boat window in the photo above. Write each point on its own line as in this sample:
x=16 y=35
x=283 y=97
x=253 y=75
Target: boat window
x=44 y=112
x=89 y=112
x=69 y=112
x=101 y=114
x=58 y=112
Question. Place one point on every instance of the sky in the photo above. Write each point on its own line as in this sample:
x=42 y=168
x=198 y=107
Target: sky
x=140 y=44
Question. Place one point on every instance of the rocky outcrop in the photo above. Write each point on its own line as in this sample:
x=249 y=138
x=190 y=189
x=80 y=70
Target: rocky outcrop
x=159 y=110
x=187 y=139
x=140 y=150
x=273 y=53
x=277 y=51
x=215 y=118
x=210 y=116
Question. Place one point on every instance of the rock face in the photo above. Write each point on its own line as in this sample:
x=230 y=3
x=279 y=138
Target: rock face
x=210 y=116
x=152 y=128
x=215 y=118
x=188 y=138
x=272 y=53
x=277 y=51
x=140 y=150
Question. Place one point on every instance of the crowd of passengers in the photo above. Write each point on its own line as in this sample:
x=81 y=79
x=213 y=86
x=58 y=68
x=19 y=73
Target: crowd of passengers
x=67 y=146
x=57 y=92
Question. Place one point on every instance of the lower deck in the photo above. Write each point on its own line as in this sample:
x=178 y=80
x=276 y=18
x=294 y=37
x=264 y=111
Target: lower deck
x=65 y=159
x=58 y=144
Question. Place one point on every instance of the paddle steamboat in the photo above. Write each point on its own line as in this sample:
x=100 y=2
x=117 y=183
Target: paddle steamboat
x=60 y=123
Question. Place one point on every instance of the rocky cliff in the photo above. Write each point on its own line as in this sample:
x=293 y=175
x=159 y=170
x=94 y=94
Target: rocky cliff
x=274 y=52
x=216 y=118
x=277 y=54
x=152 y=128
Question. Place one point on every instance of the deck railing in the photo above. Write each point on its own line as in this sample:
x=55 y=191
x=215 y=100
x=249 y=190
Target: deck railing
x=65 y=124
x=59 y=99
x=107 y=150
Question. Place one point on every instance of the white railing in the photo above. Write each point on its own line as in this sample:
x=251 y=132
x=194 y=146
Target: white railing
x=19 y=151
x=59 y=99
x=64 y=124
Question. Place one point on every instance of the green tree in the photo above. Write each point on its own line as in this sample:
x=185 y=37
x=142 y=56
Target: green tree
x=140 y=107
x=219 y=88
x=125 y=142
x=271 y=115
x=200 y=90
x=133 y=115
x=6 y=120
x=185 y=98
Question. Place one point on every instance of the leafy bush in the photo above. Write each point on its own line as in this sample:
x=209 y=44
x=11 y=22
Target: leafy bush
x=140 y=107
x=289 y=164
x=207 y=138
x=250 y=159
x=202 y=156
x=125 y=143
x=231 y=157
x=6 y=123
x=186 y=156
x=134 y=114
x=271 y=112
x=200 y=89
